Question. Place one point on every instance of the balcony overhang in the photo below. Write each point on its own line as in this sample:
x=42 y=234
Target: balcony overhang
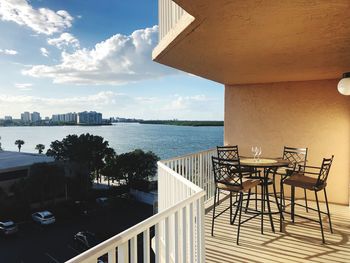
x=241 y=42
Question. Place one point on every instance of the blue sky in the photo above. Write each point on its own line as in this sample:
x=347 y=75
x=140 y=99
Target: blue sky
x=60 y=56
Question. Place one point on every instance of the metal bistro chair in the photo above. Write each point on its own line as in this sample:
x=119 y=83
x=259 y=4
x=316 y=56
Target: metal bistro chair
x=310 y=183
x=228 y=177
x=230 y=152
x=297 y=158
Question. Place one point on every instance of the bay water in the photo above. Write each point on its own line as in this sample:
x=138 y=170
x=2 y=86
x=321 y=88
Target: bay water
x=164 y=140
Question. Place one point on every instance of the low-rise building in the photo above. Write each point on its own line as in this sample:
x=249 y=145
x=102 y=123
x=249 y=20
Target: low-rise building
x=16 y=165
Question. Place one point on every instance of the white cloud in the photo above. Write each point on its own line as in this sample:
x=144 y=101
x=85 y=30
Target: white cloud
x=44 y=52
x=42 y=20
x=64 y=40
x=186 y=102
x=16 y=104
x=118 y=60
x=10 y=52
x=24 y=86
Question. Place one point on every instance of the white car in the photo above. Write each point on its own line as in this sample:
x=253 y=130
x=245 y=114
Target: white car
x=8 y=228
x=44 y=218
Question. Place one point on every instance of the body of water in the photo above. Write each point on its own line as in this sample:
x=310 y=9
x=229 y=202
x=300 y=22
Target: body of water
x=165 y=140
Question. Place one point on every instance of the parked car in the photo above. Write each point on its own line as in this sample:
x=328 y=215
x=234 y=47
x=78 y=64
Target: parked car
x=44 y=218
x=85 y=240
x=103 y=201
x=8 y=227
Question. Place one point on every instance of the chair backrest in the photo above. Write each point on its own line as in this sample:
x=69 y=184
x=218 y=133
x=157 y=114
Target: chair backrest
x=227 y=171
x=297 y=156
x=228 y=152
x=324 y=171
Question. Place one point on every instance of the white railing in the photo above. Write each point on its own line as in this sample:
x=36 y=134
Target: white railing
x=175 y=233
x=169 y=14
x=197 y=168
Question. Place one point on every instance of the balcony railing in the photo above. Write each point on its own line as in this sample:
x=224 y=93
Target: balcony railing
x=176 y=232
x=197 y=168
x=169 y=14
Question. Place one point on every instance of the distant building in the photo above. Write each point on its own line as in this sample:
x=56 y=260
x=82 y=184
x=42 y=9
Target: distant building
x=54 y=118
x=8 y=118
x=25 y=117
x=35 y=117
x=89 y=118
x=70 y=117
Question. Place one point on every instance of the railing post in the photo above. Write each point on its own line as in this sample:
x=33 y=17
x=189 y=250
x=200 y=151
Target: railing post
x=200 y=230
x=146 y=246
x=111 y=256
x=123 y=254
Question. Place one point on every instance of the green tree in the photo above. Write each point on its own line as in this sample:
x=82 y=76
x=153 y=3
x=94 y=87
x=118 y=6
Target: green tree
x=87 y=150
x=137 y=166
x=19 y=144
x=40 y=147
x=112 y=170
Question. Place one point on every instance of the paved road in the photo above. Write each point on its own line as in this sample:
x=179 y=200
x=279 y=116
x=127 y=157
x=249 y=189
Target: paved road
x=35 y=243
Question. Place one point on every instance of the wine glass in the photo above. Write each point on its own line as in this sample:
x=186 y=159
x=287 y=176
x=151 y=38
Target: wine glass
x=259 y=152
x=254 y=151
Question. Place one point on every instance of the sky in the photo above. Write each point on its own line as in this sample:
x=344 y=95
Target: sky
x=59 y=56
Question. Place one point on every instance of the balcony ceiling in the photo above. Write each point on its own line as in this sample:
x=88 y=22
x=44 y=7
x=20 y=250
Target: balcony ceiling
x=246 y=41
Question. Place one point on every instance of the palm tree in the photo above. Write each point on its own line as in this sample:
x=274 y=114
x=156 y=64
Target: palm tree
x=19 y=144
x=40 y=147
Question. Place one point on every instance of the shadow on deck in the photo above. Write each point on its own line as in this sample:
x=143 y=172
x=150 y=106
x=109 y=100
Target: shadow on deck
x=299 y=242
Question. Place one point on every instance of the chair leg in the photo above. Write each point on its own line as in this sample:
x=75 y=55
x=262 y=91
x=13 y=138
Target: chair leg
x=305 y=197
x=292 y=202
x=282 y=199
x=236 y=212
x=328 y=213
x=262 y=209
x=319 y=217
x=278 y=203
x=247 y=205
x=240 y=215
x=230 y=206
x=256 y=198
x=212 y=222
x=269 y=208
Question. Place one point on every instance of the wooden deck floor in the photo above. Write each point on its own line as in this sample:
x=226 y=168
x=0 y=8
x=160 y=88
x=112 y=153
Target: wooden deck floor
x=299 y=242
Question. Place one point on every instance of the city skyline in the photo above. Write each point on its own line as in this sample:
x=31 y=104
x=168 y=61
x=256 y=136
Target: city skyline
x=76 y=55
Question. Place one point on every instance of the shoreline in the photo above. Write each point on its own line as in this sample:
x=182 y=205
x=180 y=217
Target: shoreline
x=186 y=123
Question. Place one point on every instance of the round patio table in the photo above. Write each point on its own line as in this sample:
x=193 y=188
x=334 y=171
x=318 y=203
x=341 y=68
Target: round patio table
x=269 y=165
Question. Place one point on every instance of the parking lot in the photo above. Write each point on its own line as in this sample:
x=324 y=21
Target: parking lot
x=54 y=243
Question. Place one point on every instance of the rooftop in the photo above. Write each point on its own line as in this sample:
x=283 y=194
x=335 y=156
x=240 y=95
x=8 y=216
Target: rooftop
x=11 y=160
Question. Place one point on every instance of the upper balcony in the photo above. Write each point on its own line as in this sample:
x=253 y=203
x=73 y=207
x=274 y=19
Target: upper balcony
x=244 y=42
x=180 y=231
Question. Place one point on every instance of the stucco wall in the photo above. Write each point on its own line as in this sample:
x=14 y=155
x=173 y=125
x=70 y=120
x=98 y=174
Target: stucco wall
x=298 y=114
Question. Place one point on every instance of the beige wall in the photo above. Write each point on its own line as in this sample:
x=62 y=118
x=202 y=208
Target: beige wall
x=298 y=114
